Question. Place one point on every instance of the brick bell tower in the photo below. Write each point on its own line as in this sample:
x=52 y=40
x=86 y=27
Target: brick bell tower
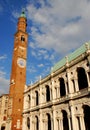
x=18 y=75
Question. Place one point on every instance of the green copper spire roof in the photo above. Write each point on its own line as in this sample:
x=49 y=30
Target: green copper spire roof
x=23 y=14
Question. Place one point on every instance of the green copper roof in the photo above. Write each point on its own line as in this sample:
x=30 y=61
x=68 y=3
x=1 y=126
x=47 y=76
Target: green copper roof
x=23 y=14
x=71 y=56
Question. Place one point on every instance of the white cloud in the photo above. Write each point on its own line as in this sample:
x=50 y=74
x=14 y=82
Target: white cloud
x=3 y=57
x=15 y=14
x=33 y=53
x=4 y=83
x=41 y=65
x=40 y=53
x=62 y=26
x=31 y=69
x=31 y=45
x=2 y=74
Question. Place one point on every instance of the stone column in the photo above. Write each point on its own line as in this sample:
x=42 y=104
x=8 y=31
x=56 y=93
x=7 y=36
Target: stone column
x=53 y=89
x=25 y=102
x=88 y=79
x=82 y=123
x=8 y=124
x=45 y=125
x=58 y=124
x=73 y=118
x=33 y=100
x=52 y=119
x=58 y=92
x=69 y=122
x=32 y=124
x=40 y=93
x=68 y=80
x=40 y=122
x=76 y=84
x=51 y=93
x=61 y=124
x=66 y=88
x=24 y=126
x=88 y=76
x=43 y=95
x=55 y=124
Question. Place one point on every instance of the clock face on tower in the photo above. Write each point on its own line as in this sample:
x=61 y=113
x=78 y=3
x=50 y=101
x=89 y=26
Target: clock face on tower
x=21 y=62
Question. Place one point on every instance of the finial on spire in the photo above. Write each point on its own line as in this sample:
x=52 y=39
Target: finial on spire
x=23 y=13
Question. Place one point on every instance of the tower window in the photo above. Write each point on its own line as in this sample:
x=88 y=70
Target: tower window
x=22 y=38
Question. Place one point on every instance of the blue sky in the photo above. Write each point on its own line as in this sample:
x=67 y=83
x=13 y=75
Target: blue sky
x=55 y=28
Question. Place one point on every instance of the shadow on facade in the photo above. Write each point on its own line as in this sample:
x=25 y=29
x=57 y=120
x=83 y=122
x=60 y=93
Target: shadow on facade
x=87 y=116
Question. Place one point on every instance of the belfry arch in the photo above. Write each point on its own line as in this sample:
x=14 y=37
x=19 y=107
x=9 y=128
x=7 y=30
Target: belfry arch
x=87 y=116
x=82 y=78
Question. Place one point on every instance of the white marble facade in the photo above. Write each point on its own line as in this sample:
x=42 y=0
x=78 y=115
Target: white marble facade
x=60 y=101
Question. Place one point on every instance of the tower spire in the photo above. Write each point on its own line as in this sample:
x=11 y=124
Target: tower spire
x=22 y=22
x=23 y=13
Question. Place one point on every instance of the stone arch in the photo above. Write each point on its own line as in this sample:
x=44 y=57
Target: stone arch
x=65 y=120
x=37 y=123
x=82 y=78
x=29 y=100
x=47 y=93
x=37 y=98
x=3 y=126
x=86 y=109
x=62 y=87
x=48 y=121
x=28 y=123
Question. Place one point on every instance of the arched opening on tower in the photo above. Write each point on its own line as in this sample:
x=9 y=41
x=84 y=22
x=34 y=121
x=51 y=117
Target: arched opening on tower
x=22 y=38
x=65 y=120
x=87 y=116
x=37 y=97
x=47 y=93
x=62 y=87
x=49 y=121
x=82 y=78
x=28 y=123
